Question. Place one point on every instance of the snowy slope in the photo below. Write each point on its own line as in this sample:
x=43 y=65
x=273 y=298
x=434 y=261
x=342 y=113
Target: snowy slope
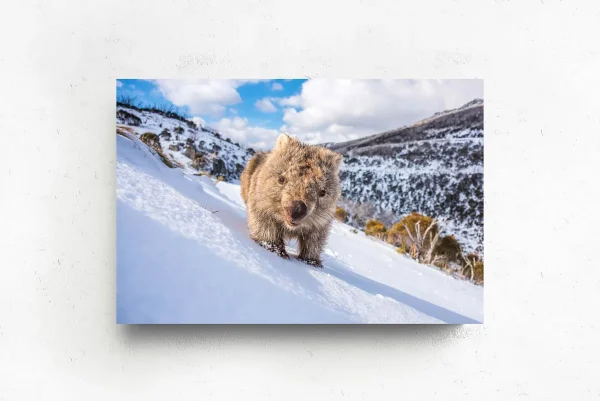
x=184 y=256
x=204 y=141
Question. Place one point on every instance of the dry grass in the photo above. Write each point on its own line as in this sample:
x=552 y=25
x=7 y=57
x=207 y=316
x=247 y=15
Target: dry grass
x=126 y=128
x=127 y=133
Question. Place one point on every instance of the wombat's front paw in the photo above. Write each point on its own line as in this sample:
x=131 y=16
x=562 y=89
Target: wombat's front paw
x=277 y=248
x=312 y=262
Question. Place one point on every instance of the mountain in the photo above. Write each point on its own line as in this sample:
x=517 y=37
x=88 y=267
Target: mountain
x=434 y=166
x=184 y=256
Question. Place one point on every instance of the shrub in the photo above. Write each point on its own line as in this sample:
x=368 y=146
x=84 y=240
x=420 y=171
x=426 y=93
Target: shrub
x=165 y=133
x=402 y=249
x=473 y=268
x=168 y=162
x=125 y=117
x=418 y=234
x=375 y=228
x=178 y=130
x=220 y=178
x=151 y=139
x=449 y=248
x=478 y=272
x=198 y=161
x=340 y=214
x=416 y=224
x=126 y=128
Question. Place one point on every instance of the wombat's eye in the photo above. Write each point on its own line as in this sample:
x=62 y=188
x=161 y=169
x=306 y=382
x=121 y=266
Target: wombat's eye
x=281 y=179
x=322 y=193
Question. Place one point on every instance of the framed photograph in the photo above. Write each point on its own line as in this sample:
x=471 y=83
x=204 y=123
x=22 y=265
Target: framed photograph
x=295 y=201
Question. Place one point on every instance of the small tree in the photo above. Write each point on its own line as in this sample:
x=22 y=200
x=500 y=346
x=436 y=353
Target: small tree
x=417 y=234
x=375 y=228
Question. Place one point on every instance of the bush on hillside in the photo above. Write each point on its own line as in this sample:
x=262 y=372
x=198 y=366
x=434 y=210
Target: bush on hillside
x=449 y=248
x=473 y=268
x=125 y=117
x=406 y=230
x=417 y=235
x=151 y=139
x=375 y=228
x=341 y=215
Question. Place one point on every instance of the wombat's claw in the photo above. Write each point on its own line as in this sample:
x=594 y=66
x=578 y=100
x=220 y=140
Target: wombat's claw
x=312 y=262
x=278 y=249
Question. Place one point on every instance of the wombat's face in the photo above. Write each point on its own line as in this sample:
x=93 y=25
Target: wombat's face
x=302 y=183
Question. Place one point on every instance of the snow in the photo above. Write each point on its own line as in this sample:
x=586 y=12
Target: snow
x=184 y=256
x=230 y=153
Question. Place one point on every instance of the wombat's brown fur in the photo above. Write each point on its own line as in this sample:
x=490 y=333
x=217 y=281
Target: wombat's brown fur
x=291 y=193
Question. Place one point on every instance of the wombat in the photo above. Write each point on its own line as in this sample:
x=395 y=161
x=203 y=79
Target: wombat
x=291 y=192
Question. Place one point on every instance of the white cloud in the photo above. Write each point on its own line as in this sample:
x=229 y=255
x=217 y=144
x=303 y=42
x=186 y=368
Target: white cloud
x=338 y=110
x=292 y=101
x=199 y=121
x=276 y=86
x=239 y=130
x=324 y=110
x=265 y=105
x=202 y=96
x=119 y=84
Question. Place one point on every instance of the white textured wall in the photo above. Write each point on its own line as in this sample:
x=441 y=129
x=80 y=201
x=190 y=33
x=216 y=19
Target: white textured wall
x=58 y=65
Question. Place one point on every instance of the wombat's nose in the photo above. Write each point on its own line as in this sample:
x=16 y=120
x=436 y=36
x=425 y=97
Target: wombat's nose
x=297 y=210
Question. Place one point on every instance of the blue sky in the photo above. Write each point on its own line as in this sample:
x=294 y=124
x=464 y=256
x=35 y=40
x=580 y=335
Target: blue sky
x=149 y=92
x=254 y=112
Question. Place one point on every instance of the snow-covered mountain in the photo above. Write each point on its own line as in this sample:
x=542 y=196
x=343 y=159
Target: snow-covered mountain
x=188 y=145
x=184 y=256
x=434 y=166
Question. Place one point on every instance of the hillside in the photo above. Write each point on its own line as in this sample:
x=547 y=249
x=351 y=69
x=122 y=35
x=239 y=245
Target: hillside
x=434 y=166
x=188 y=145
x=184 y=256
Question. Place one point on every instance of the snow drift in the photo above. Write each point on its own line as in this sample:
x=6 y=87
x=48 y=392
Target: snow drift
x=184 y=256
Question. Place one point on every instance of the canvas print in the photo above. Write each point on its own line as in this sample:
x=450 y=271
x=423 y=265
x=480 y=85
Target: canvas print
x=287 y=201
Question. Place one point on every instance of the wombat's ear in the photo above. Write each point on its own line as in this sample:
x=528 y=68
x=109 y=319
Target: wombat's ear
x=282 y=141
